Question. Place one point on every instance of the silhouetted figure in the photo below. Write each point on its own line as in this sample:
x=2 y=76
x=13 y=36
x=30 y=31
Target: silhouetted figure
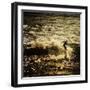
x=65 y=47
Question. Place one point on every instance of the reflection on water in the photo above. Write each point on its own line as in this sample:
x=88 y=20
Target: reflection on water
x=51 y=45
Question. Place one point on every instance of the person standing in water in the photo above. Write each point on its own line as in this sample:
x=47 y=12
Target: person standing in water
x=65 y=47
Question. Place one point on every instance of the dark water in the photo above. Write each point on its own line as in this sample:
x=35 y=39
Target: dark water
x=40 y=63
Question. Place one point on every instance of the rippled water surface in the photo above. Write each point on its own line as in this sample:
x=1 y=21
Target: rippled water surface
x=45 y=52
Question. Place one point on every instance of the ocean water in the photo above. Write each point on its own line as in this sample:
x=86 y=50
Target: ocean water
x=44 y=37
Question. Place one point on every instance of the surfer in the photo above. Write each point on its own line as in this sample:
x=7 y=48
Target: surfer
x=65 y=47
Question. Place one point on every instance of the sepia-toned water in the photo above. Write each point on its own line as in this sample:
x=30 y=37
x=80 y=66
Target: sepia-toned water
x=45 y=52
